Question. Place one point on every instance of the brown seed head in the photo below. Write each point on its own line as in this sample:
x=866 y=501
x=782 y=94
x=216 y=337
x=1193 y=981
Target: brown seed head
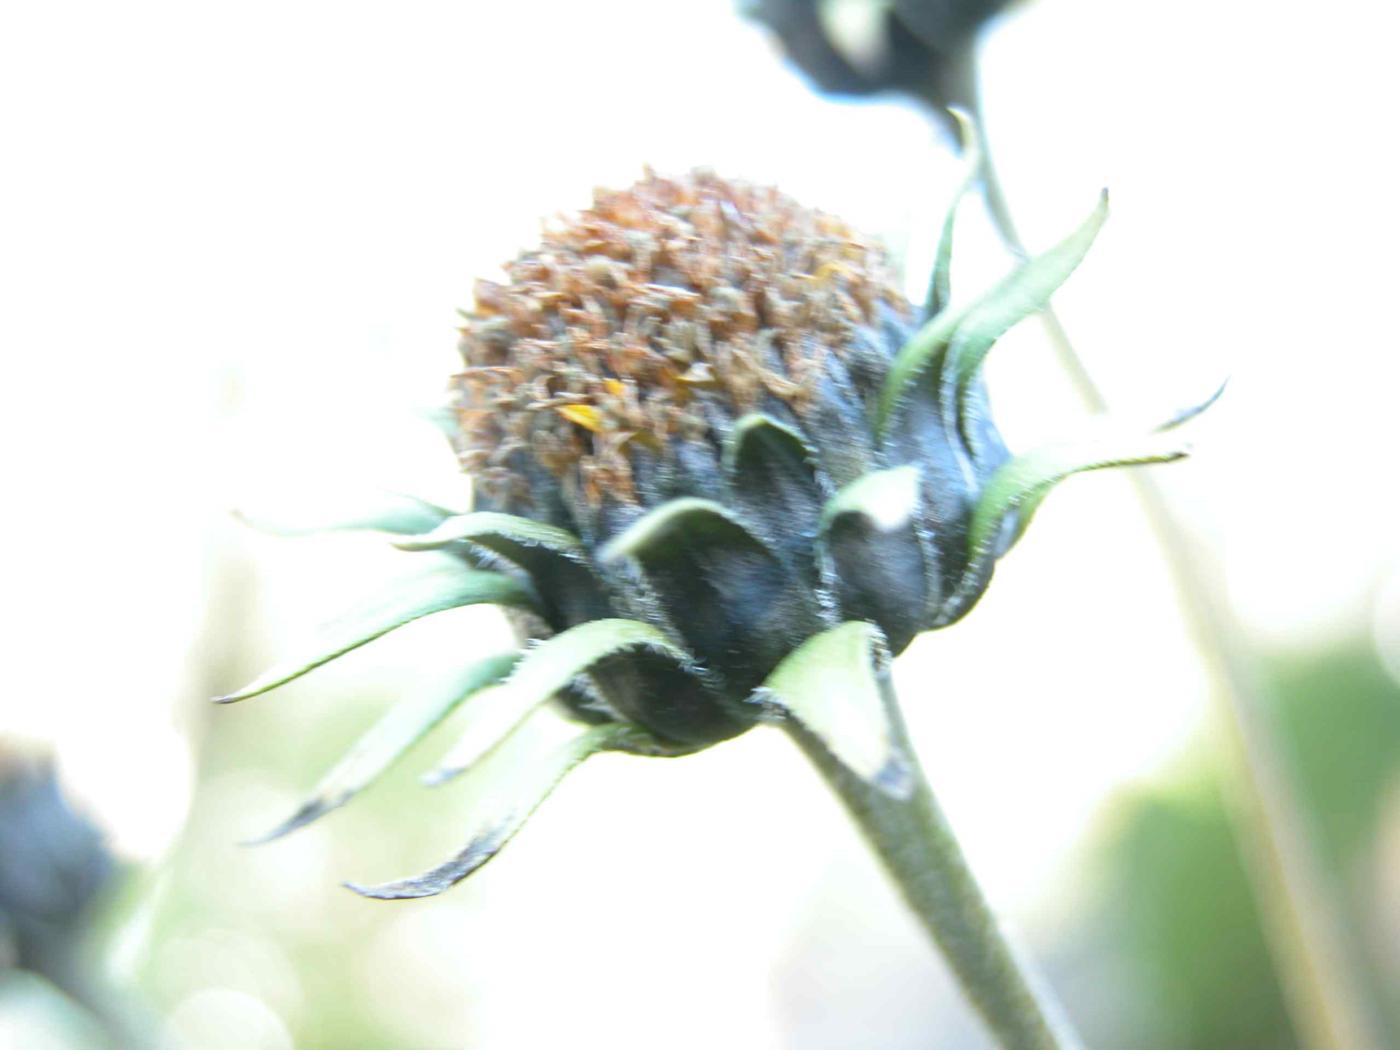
x=649 y=317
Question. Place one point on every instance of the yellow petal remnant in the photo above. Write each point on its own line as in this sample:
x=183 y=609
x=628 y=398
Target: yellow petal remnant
x=828 y=270
x=585 y=416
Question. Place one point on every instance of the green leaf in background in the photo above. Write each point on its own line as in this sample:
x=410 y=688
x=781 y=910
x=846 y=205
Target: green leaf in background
x=1176 y=902
x=441 y=588
x=402 y=726
x=543 y=671
x=830 y=685
x=1179 y=904
x=512 y=780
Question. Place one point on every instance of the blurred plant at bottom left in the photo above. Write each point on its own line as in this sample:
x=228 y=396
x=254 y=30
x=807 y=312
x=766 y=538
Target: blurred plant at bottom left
x=54 y=871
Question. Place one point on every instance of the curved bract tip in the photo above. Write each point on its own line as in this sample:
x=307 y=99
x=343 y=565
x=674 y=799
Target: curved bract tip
x=508 y=785
x=328 y=510
x=688 y=515
x=390 y=738
x=441 y=588
x=1189 y=413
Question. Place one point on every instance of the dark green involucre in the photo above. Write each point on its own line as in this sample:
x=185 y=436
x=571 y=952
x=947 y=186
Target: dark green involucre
x=723 y=472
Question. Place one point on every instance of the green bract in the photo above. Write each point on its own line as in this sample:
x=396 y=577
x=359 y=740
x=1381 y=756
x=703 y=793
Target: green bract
x=723 y=474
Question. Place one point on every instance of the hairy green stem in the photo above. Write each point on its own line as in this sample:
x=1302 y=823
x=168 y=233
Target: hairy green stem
x=1300 y=919
x=913 y=839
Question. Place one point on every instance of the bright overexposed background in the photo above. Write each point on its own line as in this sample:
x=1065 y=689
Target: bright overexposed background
x=232 y=241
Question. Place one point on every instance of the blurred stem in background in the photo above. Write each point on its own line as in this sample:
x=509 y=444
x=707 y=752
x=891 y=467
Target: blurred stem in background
x=1177 y=893
x=928 y=50
x=1315 y=966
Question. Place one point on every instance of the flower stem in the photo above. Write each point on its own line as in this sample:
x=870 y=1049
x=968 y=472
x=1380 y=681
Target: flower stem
x=1301 y=924
x=913 y=839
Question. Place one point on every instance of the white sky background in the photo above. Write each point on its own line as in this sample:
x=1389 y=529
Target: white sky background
x=233 y=237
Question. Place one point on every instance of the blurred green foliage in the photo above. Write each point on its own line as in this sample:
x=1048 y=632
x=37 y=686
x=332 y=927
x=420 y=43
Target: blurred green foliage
x=1177 y=898
x=270 y=922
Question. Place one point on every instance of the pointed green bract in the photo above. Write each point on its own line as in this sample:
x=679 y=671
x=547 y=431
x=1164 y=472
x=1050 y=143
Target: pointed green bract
x=554 y=559
x=876 y=553
x=495 y=711
x=1021 y=484
x=954 y=343
x=831 y=685
x=918 y=356
x=687 y=515
x=1188 y=414
x=486 y=526
x=774 y=483
x=402 y=726
x=321 y=510
x=508 y=785
x=555 y=662
x=543 y=671
x=1025 y=292
x=758 y=427
x=889 y=498
x=437 y=590
x=940 y=285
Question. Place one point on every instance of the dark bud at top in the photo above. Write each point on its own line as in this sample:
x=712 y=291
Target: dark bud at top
x=919 y=47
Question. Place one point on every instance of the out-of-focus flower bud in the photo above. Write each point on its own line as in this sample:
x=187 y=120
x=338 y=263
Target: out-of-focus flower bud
x=863 y=47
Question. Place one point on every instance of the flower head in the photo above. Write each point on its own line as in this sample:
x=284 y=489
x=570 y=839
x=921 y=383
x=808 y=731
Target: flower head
x=684 y=377
x=658 y=317
x=722 y=470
